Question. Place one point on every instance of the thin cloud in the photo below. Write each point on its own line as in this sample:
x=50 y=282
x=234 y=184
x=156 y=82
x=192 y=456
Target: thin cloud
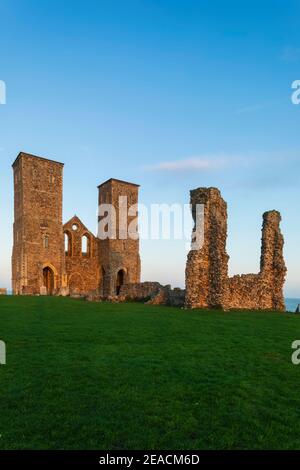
x=258 y=106
x=190 y=164
x=251 y=108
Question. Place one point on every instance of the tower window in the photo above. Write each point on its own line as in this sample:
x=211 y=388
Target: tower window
x=46 y=241
x=85 y=245
x=68 y=244
x=51 y=177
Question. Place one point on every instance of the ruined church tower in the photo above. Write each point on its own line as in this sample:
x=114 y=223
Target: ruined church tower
x=38 y=246
x=119 y=257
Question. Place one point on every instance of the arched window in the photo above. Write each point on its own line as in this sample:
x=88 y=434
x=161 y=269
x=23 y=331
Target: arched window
x=85 y=245
x=68 y=244
x=120 y=280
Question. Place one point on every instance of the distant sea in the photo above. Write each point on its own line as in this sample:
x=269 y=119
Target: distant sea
x=291 y=304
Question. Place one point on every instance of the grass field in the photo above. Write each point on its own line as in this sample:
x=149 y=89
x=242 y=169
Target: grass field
x=83 y=375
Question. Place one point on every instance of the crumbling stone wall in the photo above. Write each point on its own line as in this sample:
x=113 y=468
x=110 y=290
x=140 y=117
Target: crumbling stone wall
x=140 y=291
x=176 y=297
x=245 y=292
x=153 y=293
x=272 y=267
x=207 y=282
x=207 y=267
x=263 y=291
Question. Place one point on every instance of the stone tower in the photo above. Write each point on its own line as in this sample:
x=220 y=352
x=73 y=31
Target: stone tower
x=38 y=246
x=118 y=248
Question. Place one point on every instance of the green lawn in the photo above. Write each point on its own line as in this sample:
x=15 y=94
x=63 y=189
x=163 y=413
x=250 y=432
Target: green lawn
x=83 y=375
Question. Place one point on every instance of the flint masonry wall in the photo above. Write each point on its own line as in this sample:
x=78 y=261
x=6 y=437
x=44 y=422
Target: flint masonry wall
x=272 y=267
x=207 y=267
x=153 y=293
x=82 y=258
x=207 y=282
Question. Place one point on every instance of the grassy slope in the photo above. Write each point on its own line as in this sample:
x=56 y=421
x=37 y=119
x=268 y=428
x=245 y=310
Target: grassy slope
x=93 y=376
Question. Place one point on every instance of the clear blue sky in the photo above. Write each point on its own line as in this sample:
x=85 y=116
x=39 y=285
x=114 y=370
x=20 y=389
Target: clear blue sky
x=122 y=88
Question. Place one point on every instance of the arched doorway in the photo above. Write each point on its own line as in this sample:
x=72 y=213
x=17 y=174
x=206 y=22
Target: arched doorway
x=48 y=276
x=120 y=281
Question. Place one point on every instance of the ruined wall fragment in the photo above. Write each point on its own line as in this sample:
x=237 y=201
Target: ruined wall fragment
x=207 y=282
x=272 y=265
x=207 y=267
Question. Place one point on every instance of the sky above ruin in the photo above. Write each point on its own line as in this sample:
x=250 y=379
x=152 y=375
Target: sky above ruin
x=169 y=94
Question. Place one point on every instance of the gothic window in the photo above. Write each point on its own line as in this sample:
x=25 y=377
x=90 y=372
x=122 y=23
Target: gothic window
x=68 y=244
x=85 y=245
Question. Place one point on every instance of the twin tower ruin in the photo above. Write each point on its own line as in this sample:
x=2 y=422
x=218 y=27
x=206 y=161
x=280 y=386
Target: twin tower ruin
x=52 y=258
x=56 y=259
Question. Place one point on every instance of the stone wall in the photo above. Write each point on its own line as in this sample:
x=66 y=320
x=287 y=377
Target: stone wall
x=3 y=291
x=207 y=282
x=272 y=267
x=245 y=292
x=153 y=293
x=207 y=267
x=82 y=258
x=263 y=291
x=140 y=291
x=176 y=297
